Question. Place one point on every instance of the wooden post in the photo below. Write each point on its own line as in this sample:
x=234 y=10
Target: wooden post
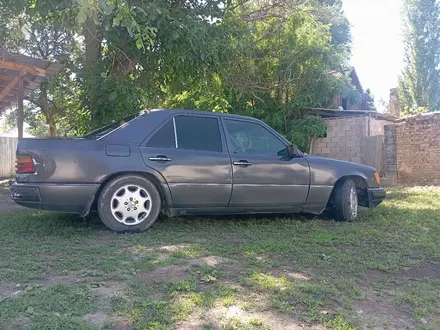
x=20 y=112
x=312 y=145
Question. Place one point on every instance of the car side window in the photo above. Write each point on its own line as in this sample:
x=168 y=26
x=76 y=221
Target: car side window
x=198 y=133
x=164 y=137
x=251 y=138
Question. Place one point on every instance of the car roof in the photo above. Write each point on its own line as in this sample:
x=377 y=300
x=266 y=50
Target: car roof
x=201 y=112
x=149 y=120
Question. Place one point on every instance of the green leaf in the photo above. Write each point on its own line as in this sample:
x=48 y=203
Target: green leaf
x=81 y=17
x=117 y=20
x=139 y=43
x=113 y=96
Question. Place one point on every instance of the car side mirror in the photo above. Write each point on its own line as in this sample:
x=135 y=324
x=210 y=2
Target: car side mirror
x=292 y=150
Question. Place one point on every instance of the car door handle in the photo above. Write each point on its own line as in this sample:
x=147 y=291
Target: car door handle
x=242 y=163
x=160 y=158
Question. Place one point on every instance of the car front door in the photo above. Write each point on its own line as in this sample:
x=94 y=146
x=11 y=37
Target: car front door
x=264 y=175
x=190 y=153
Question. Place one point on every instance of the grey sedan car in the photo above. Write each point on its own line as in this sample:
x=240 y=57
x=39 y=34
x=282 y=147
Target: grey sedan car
x=183 y=162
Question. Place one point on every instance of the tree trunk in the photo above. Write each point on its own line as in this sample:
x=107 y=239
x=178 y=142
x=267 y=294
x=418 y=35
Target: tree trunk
x=93 y=43
x=286 y=108
x=52 y=126
x=93 y=56
x=45 y=107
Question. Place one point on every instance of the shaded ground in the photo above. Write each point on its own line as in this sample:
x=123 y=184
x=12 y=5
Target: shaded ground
x=6 y=203
x=383 y=272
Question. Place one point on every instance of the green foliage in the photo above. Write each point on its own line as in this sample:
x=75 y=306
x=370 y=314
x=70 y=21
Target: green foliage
x=302 y=130
x=419 y=84
x=416 y=111
x=223 y=56
x=370 y=100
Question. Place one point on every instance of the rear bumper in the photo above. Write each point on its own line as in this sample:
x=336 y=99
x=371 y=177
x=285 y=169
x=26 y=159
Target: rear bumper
x=376 y=196
x=74 y=198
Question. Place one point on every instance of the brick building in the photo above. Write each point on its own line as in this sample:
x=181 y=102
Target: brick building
x=344 y=100
x=412 y=150
x=404 y=150
x=347 y=133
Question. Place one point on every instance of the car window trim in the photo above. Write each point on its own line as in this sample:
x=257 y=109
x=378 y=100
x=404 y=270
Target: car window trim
x=115 y=129
x=268 y=128
x=176 y=142
x=220 y=128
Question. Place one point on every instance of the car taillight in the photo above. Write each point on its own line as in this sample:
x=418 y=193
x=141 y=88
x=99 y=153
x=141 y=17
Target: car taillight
x=24 y=164
x=377 y=177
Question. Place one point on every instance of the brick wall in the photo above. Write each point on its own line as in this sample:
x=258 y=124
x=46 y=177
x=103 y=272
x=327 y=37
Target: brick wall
x=412 y=146
x=343 y=139
x=418 y=149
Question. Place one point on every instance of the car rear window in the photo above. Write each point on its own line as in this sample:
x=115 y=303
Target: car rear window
x=102 y=131
x=164 y=137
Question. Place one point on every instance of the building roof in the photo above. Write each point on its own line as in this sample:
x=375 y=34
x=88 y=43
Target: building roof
x=13 y=67
x=332 y=113
x=352 y=74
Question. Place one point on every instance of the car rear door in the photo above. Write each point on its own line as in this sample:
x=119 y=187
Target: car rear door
x=191 y=154
x=263 y=173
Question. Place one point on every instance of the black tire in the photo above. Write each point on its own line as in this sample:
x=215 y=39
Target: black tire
x=345 y=208
x=128 y=183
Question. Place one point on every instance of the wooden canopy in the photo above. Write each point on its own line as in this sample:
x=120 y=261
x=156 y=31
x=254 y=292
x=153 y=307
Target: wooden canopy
x=19 y=75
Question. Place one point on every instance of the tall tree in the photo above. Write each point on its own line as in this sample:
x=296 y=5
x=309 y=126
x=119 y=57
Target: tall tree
x=420 y=80
x=265 y=58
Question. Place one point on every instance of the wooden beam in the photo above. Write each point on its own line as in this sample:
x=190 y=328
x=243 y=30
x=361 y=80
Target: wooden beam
x=20 y=67
x=9 y=99
x=20 y=112
x=10 y=78
x=12 y=84
x=6 y=78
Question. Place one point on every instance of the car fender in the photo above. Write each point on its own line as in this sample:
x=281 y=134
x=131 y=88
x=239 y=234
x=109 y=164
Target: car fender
x=146 y=171
x=325 y=173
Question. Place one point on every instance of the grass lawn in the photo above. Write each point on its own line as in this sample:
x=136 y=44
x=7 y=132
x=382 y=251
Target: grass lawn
x=60 y=272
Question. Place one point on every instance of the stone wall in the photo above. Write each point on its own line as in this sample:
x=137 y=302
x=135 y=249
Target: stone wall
x=343 y=139
x=418 y=149
x=377 y=126
x=345 y=136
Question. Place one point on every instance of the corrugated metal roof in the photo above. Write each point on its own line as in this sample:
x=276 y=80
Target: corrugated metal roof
x=32 y=70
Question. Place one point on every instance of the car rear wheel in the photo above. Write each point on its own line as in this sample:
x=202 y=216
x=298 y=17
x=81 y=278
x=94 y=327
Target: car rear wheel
x=129 y=204
x=345 y=201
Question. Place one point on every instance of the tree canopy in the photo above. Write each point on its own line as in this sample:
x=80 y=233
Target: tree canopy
x=268 y=59
x=419 y=86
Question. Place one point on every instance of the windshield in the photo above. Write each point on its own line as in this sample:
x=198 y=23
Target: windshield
x=100 y=132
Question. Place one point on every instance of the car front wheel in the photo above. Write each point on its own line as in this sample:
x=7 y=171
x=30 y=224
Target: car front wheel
x=129 y=204
x=346 y=201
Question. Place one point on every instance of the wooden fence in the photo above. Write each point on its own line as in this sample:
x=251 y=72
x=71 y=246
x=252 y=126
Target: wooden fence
x=373 y=152
x=8 y=146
